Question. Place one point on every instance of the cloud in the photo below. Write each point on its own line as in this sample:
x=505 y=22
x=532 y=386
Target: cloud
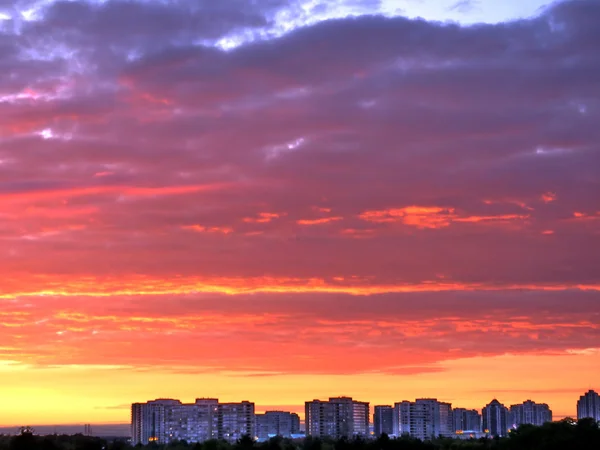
x=320 y=221
x=548 y=197
x=394 y=189
x=432 y=217
x=464 y=6
x=420 y=330
x=263 y=217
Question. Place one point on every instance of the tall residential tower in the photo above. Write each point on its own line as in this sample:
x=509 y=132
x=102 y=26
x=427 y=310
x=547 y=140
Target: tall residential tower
x=425 y=418
x=466 y=420
x=531 y=413
x=589 y=406
x=338 y=417
x=495 y=419
x=383 y=418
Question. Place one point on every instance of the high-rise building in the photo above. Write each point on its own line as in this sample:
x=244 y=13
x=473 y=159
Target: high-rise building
x=446 y=419
x=495 y=418
x=276 y=423
x=466 y=420
x=295 y=423
x=235 y=420
x=589 y=406
x=402 y=418
x=165 y=420
x=148 y=421
x=383 y=420
x=360 y=418
x=425 y=418
x=338 y=417
x=531 y=413
x=136 y=423
x=196 y=422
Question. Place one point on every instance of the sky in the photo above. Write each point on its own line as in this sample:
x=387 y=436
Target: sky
x=282 y=200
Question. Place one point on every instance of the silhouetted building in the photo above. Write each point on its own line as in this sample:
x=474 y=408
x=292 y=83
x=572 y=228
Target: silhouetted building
x=495 y=419
x=589 y=406
x=338 y=417
x=383 y=420
x=530 y=413
x=466 y=420
x=425 y=418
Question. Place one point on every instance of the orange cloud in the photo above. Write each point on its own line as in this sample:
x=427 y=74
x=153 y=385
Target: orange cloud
x=548 y=197
x=203 y=229
x=263 y=217
x=586 y=217
x=132 y=191
x=318 y=221
x=500 y=218
x=96 y=286
x=431 y=217
x=417 y=216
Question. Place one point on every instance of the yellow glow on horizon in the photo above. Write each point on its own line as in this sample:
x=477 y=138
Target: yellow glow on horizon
x=97 y=394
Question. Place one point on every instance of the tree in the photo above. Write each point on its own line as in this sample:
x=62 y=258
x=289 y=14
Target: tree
x=25 y=440
x=245 y=443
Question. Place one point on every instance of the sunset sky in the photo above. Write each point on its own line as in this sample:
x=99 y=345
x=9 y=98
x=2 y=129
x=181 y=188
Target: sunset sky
x=281 y=200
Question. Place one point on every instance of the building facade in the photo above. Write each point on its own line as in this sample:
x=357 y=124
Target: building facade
x=446 y=428
x=336 y=418
x=235 y=420
x=383 y=420
x=361 y=418
x=276 y=423
x=296 y=424
x=191 y=422
x=466 y=421
x=149 y=420
x=401 y=418
x=531 y=413
x=495 y=419
x=166 y=420
x=425 y=418
x=589 y=406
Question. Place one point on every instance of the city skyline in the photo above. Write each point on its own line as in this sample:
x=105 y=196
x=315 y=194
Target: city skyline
x=169 y=420
x=292 y=199
x=467 y=421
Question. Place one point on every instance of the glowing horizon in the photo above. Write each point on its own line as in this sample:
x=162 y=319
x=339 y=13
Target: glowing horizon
x=295 y=199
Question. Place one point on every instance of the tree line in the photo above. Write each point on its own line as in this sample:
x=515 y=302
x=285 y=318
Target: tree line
x=564 y=435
